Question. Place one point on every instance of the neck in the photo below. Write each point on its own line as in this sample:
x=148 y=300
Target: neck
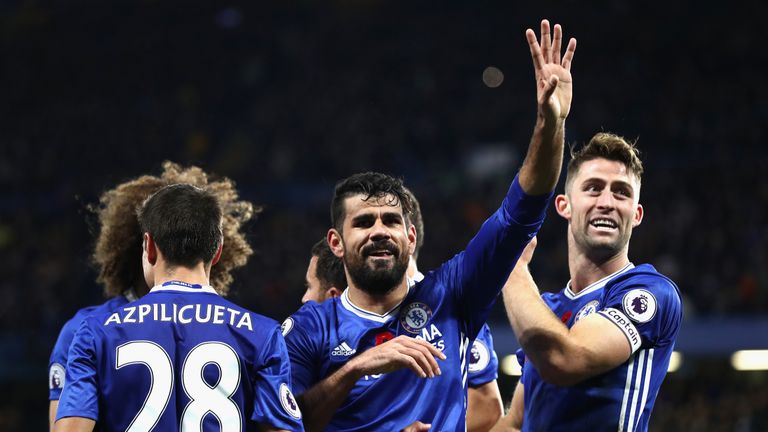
x=412 y=268
x=586 y=270
x=378 y=304
x=191 y=275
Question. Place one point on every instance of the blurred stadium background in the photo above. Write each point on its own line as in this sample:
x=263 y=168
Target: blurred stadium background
x=288 y=97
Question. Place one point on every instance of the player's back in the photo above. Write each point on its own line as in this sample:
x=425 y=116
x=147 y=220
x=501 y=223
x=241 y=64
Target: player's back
x=183 y=358
x=58 y=359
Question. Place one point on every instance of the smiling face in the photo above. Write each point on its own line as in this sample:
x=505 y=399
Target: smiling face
x=602 y=207
x=374 y=242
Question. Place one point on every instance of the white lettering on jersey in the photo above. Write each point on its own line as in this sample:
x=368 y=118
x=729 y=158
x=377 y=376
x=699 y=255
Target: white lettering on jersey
x=218 y=314
x=245 y=321
x=430 y=335
x=181 y=314
x=128 y=318
x=115 y=318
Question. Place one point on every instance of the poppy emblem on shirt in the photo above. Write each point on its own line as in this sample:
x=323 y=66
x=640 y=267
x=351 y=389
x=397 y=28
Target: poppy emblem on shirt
x=415 y=316
x=289 y=402
x=56 y=376
x=639 y=305
x=587 y=309
x=479 y=356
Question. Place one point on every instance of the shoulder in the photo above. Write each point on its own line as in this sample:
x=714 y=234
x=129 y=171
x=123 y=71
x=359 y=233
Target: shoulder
x=645 y=294
x=645 y=277
x=550 y=298
x=73 y=323
x=310 y=317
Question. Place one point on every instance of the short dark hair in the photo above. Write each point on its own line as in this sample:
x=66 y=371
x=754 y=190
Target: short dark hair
x=185 y=223
x=606 y=146
x=372 y=185
x=414 y=217
x=330 y=268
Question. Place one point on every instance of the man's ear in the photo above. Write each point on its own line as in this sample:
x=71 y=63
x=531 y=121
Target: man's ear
x=638 y=215
x=335 y=242
x=217 y=256
x=411 y=239
x=333 y=292
x=563 y=206
x=150 y=248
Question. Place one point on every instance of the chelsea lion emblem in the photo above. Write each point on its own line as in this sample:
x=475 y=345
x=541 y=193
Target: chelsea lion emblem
x=415 y=317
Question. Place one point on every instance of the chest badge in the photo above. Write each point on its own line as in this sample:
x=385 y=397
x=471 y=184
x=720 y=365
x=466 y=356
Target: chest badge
x=585 y=310
x=415 y=316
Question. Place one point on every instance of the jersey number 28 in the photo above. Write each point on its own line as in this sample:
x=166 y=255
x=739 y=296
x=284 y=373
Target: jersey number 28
x=204 y=399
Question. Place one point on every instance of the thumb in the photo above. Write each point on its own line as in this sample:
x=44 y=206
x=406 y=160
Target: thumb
x=550 y=86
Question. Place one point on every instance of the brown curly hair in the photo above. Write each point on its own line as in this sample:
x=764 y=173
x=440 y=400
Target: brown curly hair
x=117 y=254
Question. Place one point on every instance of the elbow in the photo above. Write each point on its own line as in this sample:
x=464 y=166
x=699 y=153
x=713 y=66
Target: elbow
x=556 y=363
x=558 y=368
x=559 y=377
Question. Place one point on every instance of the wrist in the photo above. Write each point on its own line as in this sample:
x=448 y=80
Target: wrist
x=352 y=371
x=549 y=124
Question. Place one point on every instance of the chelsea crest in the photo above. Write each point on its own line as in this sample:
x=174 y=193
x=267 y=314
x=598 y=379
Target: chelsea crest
x=415 y=316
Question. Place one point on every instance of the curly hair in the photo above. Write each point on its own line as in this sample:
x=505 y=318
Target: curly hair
x=117 y=254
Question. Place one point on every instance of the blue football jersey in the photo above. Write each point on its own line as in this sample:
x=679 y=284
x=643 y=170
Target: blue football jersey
x=180 y=358
x=447 y=308
x=58 y=360
x=483 y=361
x=646 y=307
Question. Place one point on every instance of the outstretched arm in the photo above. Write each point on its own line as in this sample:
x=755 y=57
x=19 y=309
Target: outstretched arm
x=554 y=91
x=319 y=403
x=562 y=356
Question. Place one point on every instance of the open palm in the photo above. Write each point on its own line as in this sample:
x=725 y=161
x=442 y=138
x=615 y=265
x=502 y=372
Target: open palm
x=554 y=83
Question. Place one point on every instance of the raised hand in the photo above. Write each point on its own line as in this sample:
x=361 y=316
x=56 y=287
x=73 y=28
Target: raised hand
x=398 y=353
x=554 y=83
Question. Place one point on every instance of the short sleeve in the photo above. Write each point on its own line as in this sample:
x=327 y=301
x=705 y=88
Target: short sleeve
x=80 y=396
x=58 y=360
x=483 y=362
x=274 y=403
x=646 y=308
x=301 y=334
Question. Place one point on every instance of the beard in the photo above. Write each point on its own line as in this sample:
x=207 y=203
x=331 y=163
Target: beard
x=603 y=248
x=377 y=278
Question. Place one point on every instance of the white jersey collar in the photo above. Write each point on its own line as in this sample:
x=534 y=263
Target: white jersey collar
x=595 y=285
x=373 y=316
x=179 y=286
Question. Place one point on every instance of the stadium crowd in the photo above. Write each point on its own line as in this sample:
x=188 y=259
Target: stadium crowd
x=287 y=98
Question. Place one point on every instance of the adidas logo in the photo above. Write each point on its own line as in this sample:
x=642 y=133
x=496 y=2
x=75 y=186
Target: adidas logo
x=343 y=350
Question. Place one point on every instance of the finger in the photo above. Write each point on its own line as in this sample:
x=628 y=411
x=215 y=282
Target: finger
x=569 y=52
x=427 y=351
x=417 y=427
x=533 y=44
x=557 y=44
x=546 y=41
x=412 y=364
x=550 y=86
x=434 y=351
x=423 y=360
